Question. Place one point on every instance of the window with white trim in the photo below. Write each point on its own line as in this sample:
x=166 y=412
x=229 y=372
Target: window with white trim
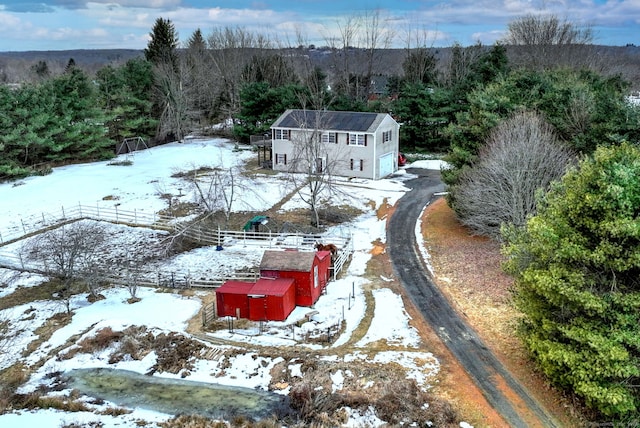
x=386 y=136
x=329 y=137
x=281 y=158
x=280 y=134
x=357 y=164
x=357 y=139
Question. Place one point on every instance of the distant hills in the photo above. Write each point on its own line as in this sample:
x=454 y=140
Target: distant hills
x=80 y=56
x=611 y=60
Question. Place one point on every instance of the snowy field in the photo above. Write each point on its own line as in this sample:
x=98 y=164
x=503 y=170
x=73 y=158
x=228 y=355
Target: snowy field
x=138 y=187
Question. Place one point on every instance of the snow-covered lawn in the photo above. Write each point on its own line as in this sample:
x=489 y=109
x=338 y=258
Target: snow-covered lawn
x=138 y=187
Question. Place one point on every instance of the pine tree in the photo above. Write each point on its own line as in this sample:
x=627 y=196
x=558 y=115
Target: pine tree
x=577 y=267
x=161 y=49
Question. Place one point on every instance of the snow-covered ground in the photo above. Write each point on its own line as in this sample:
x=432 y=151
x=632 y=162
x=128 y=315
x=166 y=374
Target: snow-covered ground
x=138 y=187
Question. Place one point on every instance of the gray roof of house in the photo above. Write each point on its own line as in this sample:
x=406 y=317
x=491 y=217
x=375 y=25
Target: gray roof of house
x=299 y=261
x=329 y=120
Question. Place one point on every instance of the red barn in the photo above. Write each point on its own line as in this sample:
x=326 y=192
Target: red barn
x=232 y=300
x=272 y=299
x=310 y=270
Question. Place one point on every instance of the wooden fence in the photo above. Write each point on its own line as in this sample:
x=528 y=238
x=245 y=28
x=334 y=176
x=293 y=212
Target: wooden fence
x=30 y=226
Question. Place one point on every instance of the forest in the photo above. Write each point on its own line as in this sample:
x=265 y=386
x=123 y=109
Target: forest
x=539 y=132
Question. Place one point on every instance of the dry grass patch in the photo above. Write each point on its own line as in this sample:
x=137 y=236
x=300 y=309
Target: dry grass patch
x=24 y=295
x=383 y=387
x=468 y=270
x=37 y=401
x=46 y=330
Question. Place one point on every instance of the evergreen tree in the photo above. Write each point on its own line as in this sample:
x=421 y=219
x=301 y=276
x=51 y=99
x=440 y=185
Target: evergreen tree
x=125 y=95
x=161 y=48
x=577 y=267
x=586 y=110
x=261 y=105
x=196 y=43
x=424 y=113
x=41 y=69
x=81 y=120
x=71 y=64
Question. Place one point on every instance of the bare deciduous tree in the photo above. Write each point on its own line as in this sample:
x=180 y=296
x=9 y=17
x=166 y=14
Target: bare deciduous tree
x=461 y=62
x=230 y=50
x=343 y=52
x=173 y=99
x=375 y=37
x=313 y=162
x=522 y=156
x=545 y=41
x=217 y=191
x=70 y=254
x=131 y=273
x=420 y=63
x=198 y=81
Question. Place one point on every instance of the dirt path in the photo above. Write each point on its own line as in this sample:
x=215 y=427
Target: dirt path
x=499 y=387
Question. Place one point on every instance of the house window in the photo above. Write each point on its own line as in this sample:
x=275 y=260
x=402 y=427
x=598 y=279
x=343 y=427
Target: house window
x=329 y=137
x=280 y=134
x=281 y=158
x=357 y=164
x=357 y=139
x=318 y=166
x=386 y=136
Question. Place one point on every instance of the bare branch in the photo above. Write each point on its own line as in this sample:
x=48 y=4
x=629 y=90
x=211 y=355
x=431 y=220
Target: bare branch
x=521 y=157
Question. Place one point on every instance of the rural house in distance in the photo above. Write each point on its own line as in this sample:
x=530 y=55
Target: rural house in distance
x=351 y=144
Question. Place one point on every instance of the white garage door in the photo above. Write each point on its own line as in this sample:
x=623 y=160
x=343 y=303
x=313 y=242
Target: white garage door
x=386 y=165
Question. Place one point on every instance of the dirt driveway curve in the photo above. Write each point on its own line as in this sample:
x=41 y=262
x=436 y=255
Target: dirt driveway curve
x=501 y=390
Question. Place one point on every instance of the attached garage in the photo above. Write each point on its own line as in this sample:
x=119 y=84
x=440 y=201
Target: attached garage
x=272 y=299
x=387 y=165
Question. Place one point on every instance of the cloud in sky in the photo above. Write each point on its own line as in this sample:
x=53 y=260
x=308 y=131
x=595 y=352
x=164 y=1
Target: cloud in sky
x=81 y=24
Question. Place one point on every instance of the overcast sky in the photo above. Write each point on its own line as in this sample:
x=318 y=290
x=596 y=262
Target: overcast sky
x=98 y=24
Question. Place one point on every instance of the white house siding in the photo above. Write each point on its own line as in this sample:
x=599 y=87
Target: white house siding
x=349 y=157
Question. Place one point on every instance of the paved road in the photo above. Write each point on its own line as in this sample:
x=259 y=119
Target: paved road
x=480 y=363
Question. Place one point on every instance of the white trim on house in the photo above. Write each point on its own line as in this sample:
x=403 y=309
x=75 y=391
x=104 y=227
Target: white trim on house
x=359 y=137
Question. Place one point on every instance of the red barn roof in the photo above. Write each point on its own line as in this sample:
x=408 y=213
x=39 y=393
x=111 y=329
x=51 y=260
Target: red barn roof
x=271 y=286
x=235 y=287
x=300 y=261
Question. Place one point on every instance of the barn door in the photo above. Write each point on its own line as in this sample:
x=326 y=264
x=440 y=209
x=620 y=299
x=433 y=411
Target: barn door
x=257 y=307
x=316 y=279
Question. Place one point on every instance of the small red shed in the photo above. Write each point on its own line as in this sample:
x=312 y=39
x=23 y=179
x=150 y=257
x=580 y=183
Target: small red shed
x=272 y=299
x=232 y=300
x=310 y=270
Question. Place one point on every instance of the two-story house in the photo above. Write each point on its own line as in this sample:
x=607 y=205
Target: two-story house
x=350 y=144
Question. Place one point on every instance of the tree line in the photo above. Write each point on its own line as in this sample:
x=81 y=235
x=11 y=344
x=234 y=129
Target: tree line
x=544 y=158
